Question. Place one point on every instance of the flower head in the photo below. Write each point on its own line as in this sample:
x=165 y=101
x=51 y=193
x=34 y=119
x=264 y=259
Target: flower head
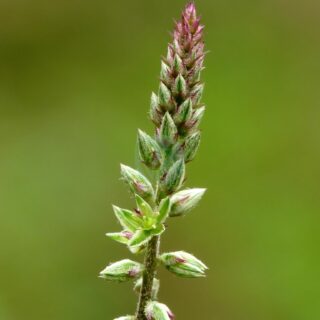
x=180 y=73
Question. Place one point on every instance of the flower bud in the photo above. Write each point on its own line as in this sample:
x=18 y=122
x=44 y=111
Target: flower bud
x=122 y=271
x=126 y=318
x=158 y=311
x=174 y=178
x=164 y=97
x=196 y=93
x=180 y=86
x=183 y=264
x=184 y=112
x=177 y=65
x=165 y=73
x=168 y=131
x=190 y=13
x=143 y=207
x=170 y=54
x=193 y=123
x=191 y=146
x=155 y=113
x=195 y=75
x=149 y=150
x=183 y=201
x=137 y=182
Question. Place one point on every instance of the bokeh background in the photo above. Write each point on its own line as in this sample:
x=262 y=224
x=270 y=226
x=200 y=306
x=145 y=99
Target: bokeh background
x=75 y=82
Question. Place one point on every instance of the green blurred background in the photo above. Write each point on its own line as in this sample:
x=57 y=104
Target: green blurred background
x=75 y=82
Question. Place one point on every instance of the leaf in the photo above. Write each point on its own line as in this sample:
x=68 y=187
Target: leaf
x=121 y=237
x=164 y=210
x=140 y=237
x=137 y=250
x=158 y=230
x=144 y=207
x=128 y=219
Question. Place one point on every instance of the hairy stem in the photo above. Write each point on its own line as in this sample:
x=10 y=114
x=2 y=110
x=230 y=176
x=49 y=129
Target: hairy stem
x=150 y=264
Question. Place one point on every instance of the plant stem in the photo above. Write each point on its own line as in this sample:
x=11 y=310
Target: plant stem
x=150 y=264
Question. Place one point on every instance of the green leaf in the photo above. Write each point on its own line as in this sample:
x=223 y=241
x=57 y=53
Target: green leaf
x=128 y=219
x=164 y=210
x=144 y=207
x=137 y=250
x=158 y=230
x=121 y=237
x=140 y=237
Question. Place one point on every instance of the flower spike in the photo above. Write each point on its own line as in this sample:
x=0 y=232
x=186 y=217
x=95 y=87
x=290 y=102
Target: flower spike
x=176 y=111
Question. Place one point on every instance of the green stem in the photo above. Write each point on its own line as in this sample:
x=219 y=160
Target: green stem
x=150 y=261
x=150 y=264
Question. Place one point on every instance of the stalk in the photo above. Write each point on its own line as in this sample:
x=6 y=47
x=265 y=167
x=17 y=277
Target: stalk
x=176 y=112
x=150 y=263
